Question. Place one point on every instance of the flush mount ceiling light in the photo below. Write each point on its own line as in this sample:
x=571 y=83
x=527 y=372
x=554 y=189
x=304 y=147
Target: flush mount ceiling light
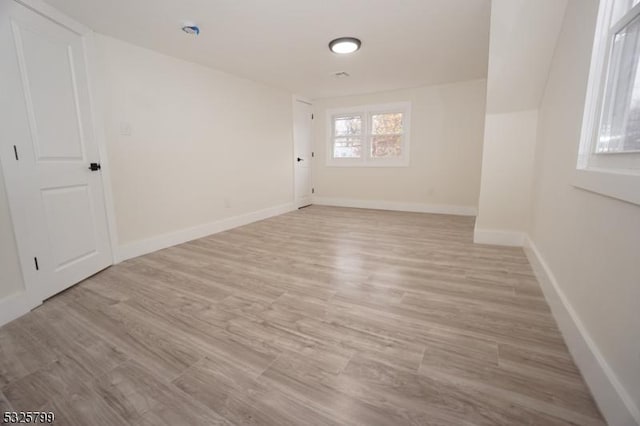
x=344 y=45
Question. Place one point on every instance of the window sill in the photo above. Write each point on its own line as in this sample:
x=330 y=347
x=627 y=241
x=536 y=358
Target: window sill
x=621 y=186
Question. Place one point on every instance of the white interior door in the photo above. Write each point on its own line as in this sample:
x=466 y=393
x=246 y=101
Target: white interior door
x=47 y=142
x=302 y=116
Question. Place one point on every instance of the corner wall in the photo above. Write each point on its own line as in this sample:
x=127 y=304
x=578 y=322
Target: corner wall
x=523 y=36
x=446 y=144
x=189 y=147
x=507 y=178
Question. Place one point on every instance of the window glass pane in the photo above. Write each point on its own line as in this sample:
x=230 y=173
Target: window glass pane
x=347 y=126
x=620 y=127
x=384 y=124
x=386 y=146
x=347 y=148
x=620 y=7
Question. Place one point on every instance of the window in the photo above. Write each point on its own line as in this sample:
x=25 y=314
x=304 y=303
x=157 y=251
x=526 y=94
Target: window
x=620 y=124
x=347 y=136
x=609 y=158
x=369 y=136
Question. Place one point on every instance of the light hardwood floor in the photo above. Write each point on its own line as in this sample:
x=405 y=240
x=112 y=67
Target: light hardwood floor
x=321 y=316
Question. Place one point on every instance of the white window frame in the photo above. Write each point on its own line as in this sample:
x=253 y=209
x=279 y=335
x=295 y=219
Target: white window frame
x=616 y=174
x=366 y=111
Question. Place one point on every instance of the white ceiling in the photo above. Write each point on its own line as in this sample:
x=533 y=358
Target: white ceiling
x=283 y=43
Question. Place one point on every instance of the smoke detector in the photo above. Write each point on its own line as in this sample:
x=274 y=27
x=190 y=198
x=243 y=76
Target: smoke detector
x=191 y=28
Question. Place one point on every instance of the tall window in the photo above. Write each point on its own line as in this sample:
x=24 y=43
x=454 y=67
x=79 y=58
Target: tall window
x=620 y=124
x=347 y=136
x=609 y=156
x=370 y=136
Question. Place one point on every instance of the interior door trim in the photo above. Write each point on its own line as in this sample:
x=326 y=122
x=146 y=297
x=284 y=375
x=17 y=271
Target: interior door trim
x=301 y=99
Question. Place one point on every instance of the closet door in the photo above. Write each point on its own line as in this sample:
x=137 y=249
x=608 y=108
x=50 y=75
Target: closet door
x=49 y=152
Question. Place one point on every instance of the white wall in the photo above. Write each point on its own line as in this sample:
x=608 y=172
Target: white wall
x=591 y=243
x=523 y=36
x=508 y=156
x=446 y=144
x=10 y=272
x=204 y=145
x=522 y=41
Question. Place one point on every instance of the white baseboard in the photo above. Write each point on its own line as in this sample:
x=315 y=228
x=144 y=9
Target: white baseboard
x=396 y=206
x=500 y=238
x=149 y=245
x=614 y=402
x=14 y=306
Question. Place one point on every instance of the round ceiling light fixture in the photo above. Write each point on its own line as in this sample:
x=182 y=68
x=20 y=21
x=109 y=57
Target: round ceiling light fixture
x=344 y=45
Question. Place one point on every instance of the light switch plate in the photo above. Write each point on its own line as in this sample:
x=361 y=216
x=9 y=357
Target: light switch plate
x=125 y=128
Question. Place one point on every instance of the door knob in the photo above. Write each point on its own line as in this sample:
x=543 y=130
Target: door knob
x=94 y=167
x=300 y=159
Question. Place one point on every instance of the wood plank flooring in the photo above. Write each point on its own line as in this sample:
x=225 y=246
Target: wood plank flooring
x=323 y=316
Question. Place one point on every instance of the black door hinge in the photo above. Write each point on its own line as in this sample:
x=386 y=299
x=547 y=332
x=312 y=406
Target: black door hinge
x=35 y=260
x=15 y=151
x=313 y=190
x=312 y=116
x=313 y=154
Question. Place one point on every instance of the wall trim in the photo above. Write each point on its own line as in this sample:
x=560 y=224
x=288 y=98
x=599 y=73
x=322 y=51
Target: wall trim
x=15 y=305
x=396 y=206
x=149 y=245
x=614 y=402
x=499 y=237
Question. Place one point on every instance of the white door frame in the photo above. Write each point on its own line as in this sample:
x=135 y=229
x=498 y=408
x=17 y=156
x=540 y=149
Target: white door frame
x=294 y=99
x=95 y=99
